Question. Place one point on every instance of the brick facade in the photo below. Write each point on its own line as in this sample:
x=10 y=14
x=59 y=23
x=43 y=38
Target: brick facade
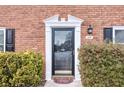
x=30 y=29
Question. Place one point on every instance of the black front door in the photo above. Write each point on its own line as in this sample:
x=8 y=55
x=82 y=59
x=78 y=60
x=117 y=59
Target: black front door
x=63 y=51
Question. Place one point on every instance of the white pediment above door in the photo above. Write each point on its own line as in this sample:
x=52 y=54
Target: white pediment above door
x=57 y=21
x=54 y=18
x=70 y=18
x=74 y=19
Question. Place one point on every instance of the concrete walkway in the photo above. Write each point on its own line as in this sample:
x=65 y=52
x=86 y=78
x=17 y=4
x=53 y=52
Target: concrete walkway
x=51 y=83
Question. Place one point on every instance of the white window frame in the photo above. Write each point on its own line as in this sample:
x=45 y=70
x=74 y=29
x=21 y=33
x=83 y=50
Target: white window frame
x=4 y=31
x=116 y=28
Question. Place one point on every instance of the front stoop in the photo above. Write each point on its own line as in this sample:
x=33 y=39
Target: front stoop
x=51 y=83
x=63 y=79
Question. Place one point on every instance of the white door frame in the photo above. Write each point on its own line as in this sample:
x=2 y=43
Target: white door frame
x=72 y=22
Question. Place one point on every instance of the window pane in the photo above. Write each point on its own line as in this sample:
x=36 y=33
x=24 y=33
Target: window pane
x=1 y=47
x=1 y=37
x=119 y=36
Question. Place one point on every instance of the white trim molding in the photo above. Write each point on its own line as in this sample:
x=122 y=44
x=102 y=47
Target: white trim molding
x=116 y=28
x=54 y=22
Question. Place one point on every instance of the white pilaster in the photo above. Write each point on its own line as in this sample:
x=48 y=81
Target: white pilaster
x=77 y=45
x=48 y=49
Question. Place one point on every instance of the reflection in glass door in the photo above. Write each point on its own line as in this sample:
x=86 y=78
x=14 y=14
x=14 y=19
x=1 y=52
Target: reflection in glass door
x=63 y=47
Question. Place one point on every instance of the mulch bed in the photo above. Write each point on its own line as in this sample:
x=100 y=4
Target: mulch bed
x=42 y=83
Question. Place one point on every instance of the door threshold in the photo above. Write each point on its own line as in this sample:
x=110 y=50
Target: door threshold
x=66 y=72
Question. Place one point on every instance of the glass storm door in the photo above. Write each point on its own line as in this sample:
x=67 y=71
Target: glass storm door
x=63 y=51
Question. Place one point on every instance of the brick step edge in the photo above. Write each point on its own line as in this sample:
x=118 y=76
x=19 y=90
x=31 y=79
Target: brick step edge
x=63 y=80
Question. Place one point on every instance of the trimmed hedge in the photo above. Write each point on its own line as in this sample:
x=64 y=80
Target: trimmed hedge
x=102 y=66
x=20 y=69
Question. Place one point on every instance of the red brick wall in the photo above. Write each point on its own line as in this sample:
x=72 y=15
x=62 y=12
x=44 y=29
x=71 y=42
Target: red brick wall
x=28 y=22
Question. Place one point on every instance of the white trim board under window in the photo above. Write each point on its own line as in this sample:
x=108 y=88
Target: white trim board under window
x=3 y=30
x=117 y=35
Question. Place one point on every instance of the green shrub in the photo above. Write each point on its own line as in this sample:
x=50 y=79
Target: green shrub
x=102 y=66
x=20 y=69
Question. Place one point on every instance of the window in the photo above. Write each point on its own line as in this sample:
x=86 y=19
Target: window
x=2 y=39
x=118 y=34
x=7 y=38
x=114 y=34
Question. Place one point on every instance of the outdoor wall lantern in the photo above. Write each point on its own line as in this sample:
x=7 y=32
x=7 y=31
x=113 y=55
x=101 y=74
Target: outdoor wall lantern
x=90 y=30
